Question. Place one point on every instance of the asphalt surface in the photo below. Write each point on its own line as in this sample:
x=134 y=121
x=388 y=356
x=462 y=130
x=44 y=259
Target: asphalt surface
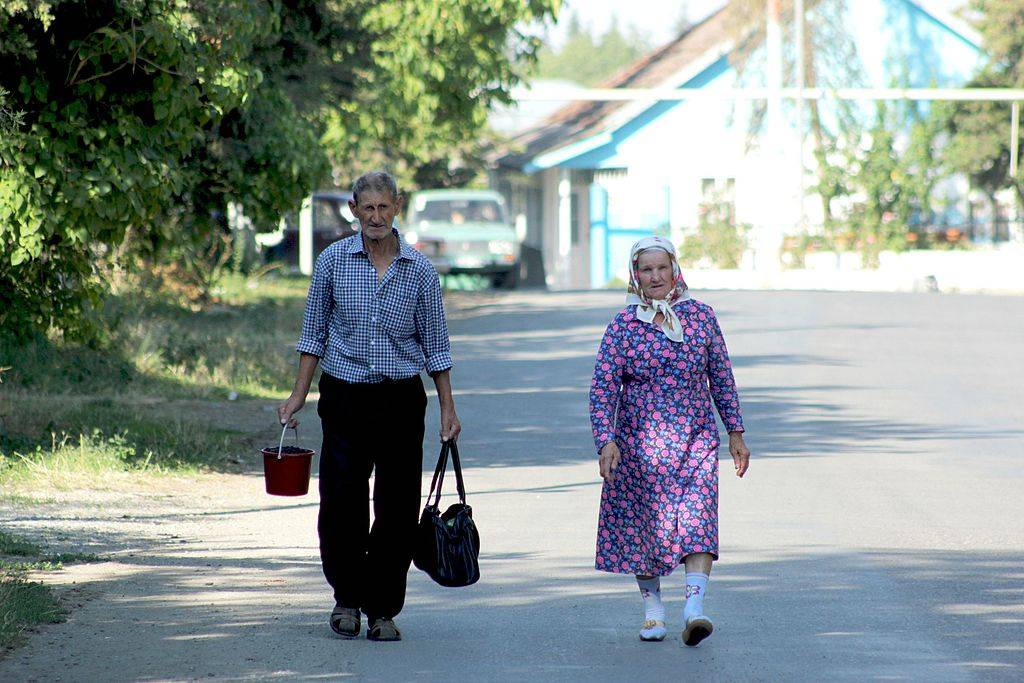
x=877 y=536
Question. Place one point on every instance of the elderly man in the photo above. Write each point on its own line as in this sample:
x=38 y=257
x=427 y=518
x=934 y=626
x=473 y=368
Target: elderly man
x=374 y=319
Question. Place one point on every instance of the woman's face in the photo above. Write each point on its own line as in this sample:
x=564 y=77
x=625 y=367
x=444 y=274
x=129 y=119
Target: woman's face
x=654 y=268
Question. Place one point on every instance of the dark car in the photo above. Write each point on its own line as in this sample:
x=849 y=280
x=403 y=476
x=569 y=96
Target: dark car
x=332 y=221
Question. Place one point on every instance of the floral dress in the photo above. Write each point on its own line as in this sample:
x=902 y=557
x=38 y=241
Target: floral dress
x=653 y=397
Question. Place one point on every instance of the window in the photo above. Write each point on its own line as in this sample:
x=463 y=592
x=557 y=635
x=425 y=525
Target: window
x=458 y=211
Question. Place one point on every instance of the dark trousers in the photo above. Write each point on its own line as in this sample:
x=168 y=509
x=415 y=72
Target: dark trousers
x=370 y=427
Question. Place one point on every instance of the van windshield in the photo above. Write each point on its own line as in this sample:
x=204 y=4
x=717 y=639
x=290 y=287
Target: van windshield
x=458 y=211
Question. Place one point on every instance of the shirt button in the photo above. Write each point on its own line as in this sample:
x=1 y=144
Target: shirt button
x=371 y=367
x=374 y=319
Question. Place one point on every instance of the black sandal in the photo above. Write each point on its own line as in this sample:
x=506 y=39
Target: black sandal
x=383 y=630
x=346 y=621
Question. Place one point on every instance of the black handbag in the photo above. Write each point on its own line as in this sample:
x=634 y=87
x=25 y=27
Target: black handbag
x=448 y=544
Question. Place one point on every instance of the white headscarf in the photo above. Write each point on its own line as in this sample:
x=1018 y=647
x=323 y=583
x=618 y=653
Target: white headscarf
x=647 y=308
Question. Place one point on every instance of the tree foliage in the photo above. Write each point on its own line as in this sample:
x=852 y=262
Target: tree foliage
x=874 y=169
x=589 y=59
x=126 y=126
x=979 y=144
x=426 y=78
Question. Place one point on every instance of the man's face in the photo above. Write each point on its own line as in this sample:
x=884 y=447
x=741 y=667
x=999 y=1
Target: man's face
x=376 y=211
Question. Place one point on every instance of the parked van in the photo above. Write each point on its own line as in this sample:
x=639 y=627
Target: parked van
x=332 y=221
x=465 y=231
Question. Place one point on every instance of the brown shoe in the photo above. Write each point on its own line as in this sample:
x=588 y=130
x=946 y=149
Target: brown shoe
x=346 y=621
x=383 y=630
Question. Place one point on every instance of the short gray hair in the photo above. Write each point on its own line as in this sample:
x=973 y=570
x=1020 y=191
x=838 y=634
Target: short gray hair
x=375 y=181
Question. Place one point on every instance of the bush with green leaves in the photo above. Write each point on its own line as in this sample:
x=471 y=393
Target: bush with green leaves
x=717 y=240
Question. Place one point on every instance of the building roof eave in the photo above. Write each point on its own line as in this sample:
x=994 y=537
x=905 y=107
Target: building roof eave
x=562 y=154
x=949 y=20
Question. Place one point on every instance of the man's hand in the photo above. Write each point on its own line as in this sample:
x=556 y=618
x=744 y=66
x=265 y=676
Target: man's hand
x=609 y=461
x=289 y=407
x=450 y=425
x=294 y=403
x=740 y=453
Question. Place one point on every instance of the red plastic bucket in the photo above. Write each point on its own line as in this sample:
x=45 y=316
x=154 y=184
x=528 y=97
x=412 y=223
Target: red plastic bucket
x=287 y=474
x=286 y=469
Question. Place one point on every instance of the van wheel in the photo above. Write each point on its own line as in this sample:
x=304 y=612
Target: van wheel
x=506 y=280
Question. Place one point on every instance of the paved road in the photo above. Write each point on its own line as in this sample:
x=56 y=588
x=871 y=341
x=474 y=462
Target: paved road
x=878 y=534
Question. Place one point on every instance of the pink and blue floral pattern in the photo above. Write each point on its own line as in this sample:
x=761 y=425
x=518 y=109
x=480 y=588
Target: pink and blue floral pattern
x=653 y=397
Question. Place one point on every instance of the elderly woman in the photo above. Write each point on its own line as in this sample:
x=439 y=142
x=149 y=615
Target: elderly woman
x=661 y=363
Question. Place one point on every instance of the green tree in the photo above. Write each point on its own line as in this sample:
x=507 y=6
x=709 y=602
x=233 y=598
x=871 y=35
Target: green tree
x=128 y=125
x=830 y=61
x=425 y=79
x=886 y=180
x=979 y=145
x=137 y=119
x=589 y=59
x=875 y=218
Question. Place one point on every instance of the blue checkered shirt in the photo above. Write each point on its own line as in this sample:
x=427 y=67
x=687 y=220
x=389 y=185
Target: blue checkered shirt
x=366 y=329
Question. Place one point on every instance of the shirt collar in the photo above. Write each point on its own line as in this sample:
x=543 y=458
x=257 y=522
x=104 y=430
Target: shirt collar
x=404 y=250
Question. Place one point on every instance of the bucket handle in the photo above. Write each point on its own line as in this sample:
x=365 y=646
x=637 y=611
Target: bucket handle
x=280 y=444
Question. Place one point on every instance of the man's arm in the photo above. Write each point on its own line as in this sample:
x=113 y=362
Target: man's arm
x=450 y=425
x=294 y=403
x=432 y=329
x=313 y=338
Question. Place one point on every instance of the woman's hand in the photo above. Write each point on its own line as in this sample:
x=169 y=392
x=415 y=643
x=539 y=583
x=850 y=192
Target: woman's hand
x=289 y=407
x=740 y=453
x=609 y=461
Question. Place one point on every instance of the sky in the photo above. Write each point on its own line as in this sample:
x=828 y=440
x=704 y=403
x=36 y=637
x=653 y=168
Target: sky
x=656 y=18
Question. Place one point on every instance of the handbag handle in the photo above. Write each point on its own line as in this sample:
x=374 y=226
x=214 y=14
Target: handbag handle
x=442 y=463
x=459 y=484
x=439 y=472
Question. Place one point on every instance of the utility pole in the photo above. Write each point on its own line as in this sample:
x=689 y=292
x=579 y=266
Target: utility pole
x=776 y=184
x=798 y=15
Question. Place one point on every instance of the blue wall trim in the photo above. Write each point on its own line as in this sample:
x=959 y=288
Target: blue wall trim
x=595 y=158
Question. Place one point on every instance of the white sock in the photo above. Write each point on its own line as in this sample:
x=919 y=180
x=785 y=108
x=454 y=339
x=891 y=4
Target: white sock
x=650 y=589
x=696 y=587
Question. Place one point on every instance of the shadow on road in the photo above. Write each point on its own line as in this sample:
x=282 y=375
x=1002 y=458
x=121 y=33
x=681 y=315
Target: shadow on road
x=523 y=373
x=849 y=610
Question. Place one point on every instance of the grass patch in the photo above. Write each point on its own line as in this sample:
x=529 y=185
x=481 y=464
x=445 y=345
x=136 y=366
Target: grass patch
x=85 y=461
x=98 y=433
x=17 y=546
x=99 y=460
x=48 y=563
x=146 y=397
x=24 y=603
x=156 y=346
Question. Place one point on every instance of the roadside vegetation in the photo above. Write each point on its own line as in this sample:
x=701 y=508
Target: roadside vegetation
x=24 y=603
x=165 y=389
x=158 y=392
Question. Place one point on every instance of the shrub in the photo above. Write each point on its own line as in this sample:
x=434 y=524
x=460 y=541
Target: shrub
x=718 y=239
